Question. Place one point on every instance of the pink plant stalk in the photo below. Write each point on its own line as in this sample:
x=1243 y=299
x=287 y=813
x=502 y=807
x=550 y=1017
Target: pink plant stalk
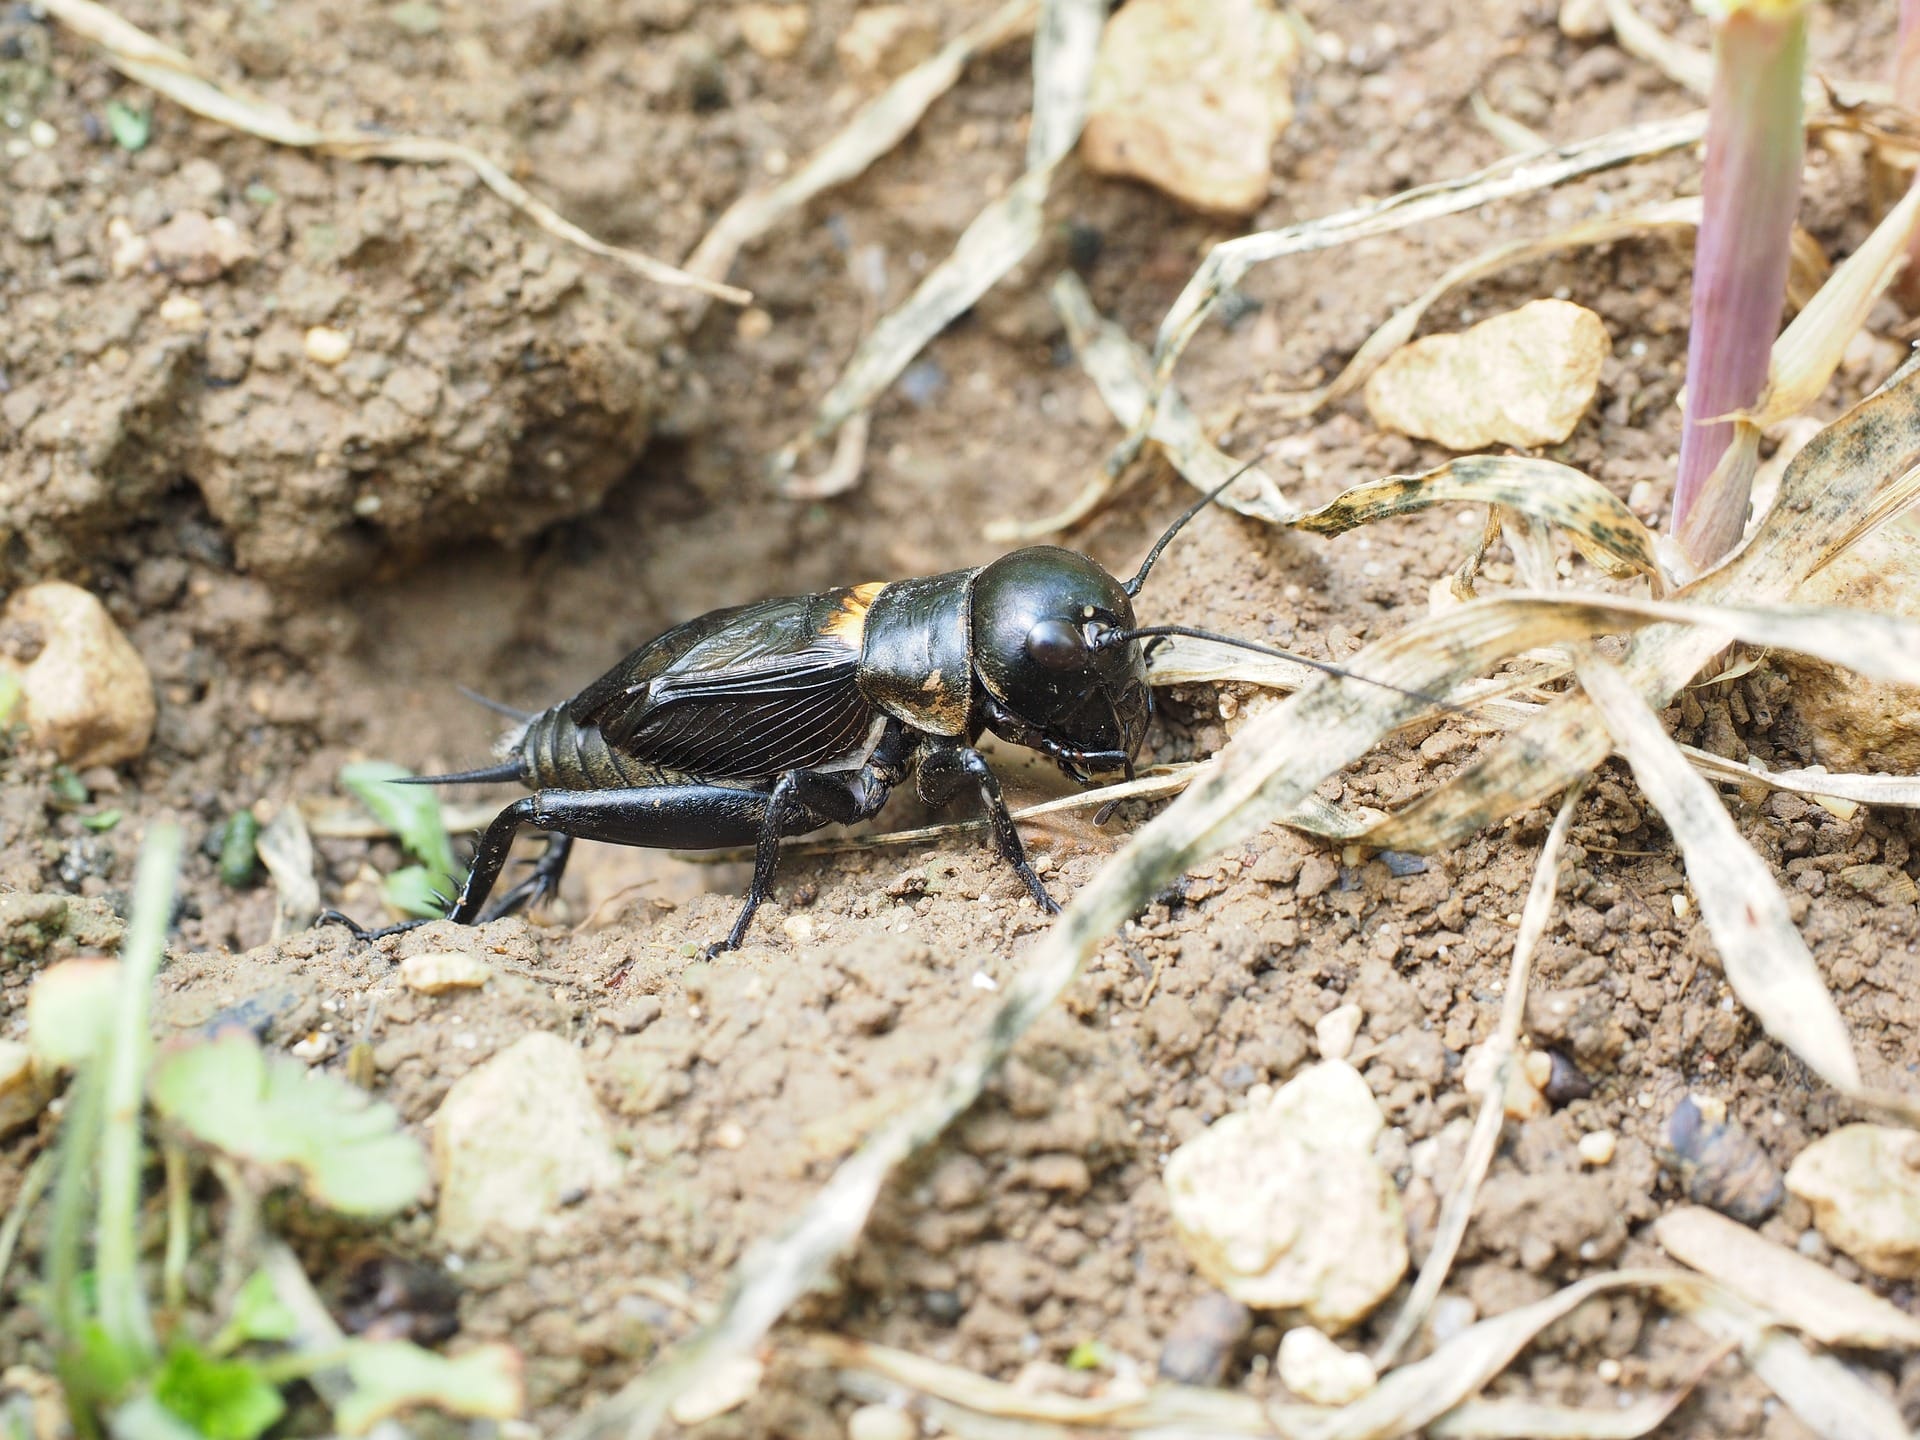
x=1749 y=196
x=1906 y=92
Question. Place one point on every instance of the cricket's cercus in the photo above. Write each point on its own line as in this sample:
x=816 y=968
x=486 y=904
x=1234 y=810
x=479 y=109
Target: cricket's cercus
x=760 y=721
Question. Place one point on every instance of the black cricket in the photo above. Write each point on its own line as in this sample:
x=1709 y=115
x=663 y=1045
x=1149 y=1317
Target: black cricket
x=756 y=722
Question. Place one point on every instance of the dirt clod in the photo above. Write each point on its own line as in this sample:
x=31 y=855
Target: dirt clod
x=85 y=692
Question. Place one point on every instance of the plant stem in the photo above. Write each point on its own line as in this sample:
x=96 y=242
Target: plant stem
x=1750 y=192
x=123 y=1308
x=1906 y=92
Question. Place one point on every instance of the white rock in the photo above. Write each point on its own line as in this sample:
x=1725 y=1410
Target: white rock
x=24 y=1091
x=438 y=971
x=327 y=346
x=182 y=312
x=1283 y=1206
x=1523 y=378
x=881 y=1422
x=1336 y=1031
x=1863 y=1182
x=1189 y=96
x=1523 y=1100
x=731 y=1384
x=1319 y=1371
x=1584 y=19
x=773 y=32
x=1596 y=1147
x=515 y=1138
x=86 y=695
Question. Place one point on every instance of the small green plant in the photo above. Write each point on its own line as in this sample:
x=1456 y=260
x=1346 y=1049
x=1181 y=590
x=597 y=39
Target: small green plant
x=200 y=1369
x=413 y=814
x=130 y=126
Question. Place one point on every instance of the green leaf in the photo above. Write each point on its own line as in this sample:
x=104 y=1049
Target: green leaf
x=1089 y=1355
x=413 y=813
x=131 y=128
x=239 y=850
x=68 y=788
x=222 y=1399
x=101 y=820
x=258 y=1315
x=388 y=1376
x=347 y=1148
x=69 y=1010
x=416 y=890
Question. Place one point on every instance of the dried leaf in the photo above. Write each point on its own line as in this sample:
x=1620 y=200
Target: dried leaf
x=1545 y=489
x=1539 y=1420
x=1398 y=330
x=1687 y=66
x=1792 y=1289
x=875 y=129
x=1228 y=263
x=161 y=68
x=999 y=237
x=1118 y=369
x=1765 y=960
x=1827 y=1395
x=1900 y=790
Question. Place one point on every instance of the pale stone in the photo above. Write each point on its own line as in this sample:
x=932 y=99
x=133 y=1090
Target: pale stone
x=194 y=249
x=1337 y=1030
x=882 y=41
x=86 y=693
x=516 y=1138
x=1863 y=1182
x=327 y=346
x=1584 y=19
x=1283 y=1206
x=1523 y=1100
x=182 y=312
x=1596 y=1147
x=1856 y=723
x=24 y=1090
x=1523 y=378
x=1319 y=1371
x=773 y=32
x=727 y=1386
x=438 y=971
x=1189 y=96
x=881 y=1422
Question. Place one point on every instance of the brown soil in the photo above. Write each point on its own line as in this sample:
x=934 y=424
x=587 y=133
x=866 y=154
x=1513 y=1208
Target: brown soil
x=216 y=488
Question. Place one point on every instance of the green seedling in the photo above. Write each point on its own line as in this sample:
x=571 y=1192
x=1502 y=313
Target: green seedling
x=101 y=820
x=130 y=127
x=69 y=791
x=412 y=812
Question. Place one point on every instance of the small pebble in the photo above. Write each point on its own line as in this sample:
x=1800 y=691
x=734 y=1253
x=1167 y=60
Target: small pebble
x=1337 y=1030
x=1680 y=906
x=1201 y=1342
x=1319 y=1371
x=439 y=971
x=183 y=312
x=42 y=135
x=753 y=324
x=881 y=1422
x=327 y=346
x=1608 y=1371
x=1597 y=1146
x=312 y=1048
x=1566 y=1082
x=729 y=1135
x=798 y=928
x=730 y=1385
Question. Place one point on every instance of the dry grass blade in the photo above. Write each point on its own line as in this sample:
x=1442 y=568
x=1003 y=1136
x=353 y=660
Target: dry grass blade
x=1118 y=369
x=1537 y=1420
x=998 y=238
x=1688 y=66
x=1398 y=330
x=1765 y=960
x=1809 y=350
x=1794 y=1290
x=1544 y=489
x=1827 y=1395
x=1228 y=263
x=1837 y=480
x=1457 y=1211
x=1898 y=790
x=140 y=57
x=878 y=126
x=1416 y=1395
x=1516 y=136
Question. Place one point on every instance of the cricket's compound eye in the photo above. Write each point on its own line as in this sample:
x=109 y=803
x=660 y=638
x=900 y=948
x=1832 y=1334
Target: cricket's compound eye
x=1057 y=645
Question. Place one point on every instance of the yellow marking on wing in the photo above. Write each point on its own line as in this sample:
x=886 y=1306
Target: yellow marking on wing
x=849 y=622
